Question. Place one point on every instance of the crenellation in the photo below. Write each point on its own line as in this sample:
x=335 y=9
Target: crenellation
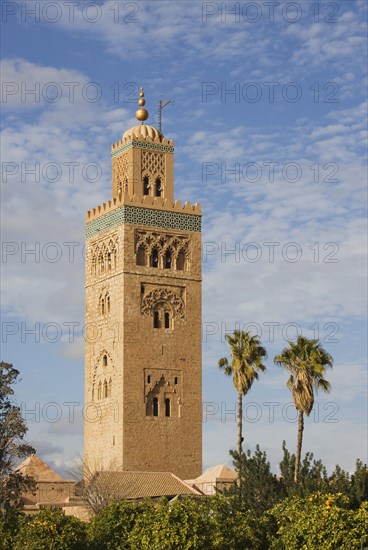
x=153 y=202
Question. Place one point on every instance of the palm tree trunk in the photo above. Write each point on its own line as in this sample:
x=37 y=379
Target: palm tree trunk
x=240 y=423
x=299 y=446
x=240 y=437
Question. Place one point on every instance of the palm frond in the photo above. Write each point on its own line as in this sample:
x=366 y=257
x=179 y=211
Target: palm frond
x=306 y=361
x=324 y=385
x=224 y=365
x=247 y=356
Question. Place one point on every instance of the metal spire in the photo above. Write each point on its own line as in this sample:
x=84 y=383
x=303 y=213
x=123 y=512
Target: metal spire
x=162 y=104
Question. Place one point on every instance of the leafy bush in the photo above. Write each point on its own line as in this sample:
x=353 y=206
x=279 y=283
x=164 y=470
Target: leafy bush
x=200 y=524
x=110 y=529
x=235 y=529
x=260 y=489
x=319 y=521
x=189 y=524
x=182 y=524
x=10 y=524
x=51 y=530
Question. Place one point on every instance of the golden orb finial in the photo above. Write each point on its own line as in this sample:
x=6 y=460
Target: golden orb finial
x=141 y=114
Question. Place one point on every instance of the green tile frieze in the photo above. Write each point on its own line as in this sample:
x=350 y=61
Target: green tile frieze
x=142 y=216
x=142 y=145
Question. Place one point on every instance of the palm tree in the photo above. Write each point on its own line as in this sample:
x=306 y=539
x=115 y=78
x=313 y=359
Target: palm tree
x=247 y=354
x=306 y=360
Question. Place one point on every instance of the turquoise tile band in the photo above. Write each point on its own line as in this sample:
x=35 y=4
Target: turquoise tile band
x=142 y=145
x=143 y=216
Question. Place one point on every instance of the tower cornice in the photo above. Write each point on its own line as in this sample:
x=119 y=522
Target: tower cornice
x=144 y=211
x=122 y=146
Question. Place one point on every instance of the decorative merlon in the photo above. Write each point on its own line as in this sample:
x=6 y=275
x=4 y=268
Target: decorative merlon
x=158 y=203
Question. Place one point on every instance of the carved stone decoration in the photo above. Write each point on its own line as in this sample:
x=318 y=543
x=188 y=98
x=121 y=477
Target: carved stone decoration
x=161 y=240
x=177 y=245
x=153 y=163
x=103 y=376
x=121 y=166
x=104 y=255
x=162 y=295
x=162 y=386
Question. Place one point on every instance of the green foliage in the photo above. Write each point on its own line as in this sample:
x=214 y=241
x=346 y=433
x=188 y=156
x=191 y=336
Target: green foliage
x=190 y=523
x=359 y=484
x=259 y=489
x=111 y=527
x=14 y=484
x=312 y=474
x=182 y=524
x=313 y=477
x=318 y=521
x=306 y=360
x=247 y=355
x=11 y=522
x=339 y=482
x=233 y=528
x=12 y=445
x=50 y=529
x=287 y=467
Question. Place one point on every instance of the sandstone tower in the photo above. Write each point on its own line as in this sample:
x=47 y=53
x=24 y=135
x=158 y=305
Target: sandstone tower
x=143 y=316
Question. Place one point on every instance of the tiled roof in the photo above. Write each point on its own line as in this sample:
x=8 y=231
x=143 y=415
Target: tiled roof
x=134 y=485
x=37 y=468
x=221 y=472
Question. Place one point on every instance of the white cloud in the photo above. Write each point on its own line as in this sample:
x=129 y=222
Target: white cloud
x=29 y=86
x=50 y=196
x=348 y=381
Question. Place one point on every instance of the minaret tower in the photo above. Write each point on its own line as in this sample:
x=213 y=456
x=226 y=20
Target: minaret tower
x=143 y=369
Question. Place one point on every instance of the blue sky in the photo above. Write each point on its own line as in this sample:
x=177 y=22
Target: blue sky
x=269 y=123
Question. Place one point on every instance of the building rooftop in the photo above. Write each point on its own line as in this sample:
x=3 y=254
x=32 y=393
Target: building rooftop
x=221 y=472
x=137 y=485
x=214 y=480
x=38 y=469
x=142 y=131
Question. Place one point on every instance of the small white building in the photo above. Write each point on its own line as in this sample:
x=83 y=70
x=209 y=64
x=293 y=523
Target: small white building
x=214 y=480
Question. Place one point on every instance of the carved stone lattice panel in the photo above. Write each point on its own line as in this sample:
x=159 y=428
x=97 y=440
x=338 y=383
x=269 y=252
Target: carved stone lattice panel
x=103 y=255
x=162 y=241
x=153 y=163
x=163 y=296
x=102 y=245
x=121 y=169
x=122 y=164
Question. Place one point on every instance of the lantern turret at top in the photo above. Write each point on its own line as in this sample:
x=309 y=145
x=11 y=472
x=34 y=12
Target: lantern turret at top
x=143 y=161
